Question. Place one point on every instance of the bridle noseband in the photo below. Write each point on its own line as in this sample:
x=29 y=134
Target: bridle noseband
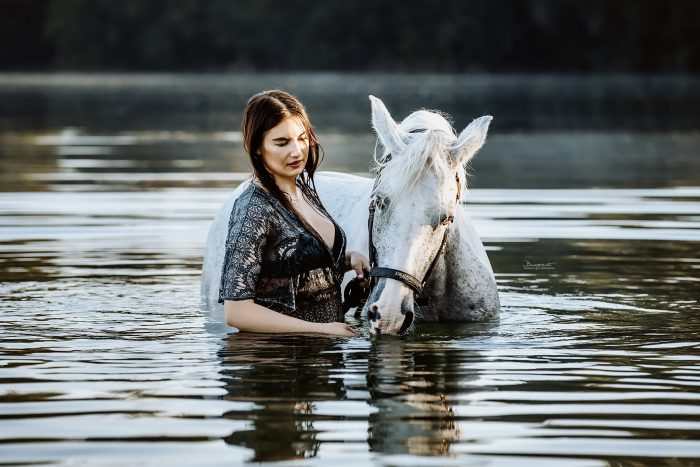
x=356 y=296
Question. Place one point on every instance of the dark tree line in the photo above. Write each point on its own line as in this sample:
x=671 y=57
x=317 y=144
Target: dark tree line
x=362 y=35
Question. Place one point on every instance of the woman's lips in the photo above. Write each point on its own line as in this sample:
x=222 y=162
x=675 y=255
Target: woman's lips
x=295 y=164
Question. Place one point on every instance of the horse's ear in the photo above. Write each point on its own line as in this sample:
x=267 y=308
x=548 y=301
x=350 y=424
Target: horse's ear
x=470 y=140
x=392 y=137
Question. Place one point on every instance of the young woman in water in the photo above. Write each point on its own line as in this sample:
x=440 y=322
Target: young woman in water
x=285 y=256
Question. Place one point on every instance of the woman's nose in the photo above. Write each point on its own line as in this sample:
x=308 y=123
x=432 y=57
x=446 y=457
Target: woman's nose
x=296 y=149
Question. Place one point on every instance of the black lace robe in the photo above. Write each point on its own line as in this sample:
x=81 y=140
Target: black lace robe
x=271 y=258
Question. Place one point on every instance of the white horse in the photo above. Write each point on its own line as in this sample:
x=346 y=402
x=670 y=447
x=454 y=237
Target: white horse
x=416 y=195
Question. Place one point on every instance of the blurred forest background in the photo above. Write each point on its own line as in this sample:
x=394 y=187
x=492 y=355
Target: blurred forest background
x=578 y=36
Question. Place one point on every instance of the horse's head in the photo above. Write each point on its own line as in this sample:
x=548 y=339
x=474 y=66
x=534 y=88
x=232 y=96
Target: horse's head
x=420 y=177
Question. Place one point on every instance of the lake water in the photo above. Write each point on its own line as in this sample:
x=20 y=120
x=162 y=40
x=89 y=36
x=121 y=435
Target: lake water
x=109 y=358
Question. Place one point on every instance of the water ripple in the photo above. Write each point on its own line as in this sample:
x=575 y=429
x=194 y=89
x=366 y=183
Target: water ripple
x=109 y=358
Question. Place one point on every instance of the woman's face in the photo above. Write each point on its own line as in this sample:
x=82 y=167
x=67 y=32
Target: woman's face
x=285 y=149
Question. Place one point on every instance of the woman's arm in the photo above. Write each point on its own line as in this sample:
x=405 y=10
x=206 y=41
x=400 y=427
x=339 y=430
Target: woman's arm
x=247 y=315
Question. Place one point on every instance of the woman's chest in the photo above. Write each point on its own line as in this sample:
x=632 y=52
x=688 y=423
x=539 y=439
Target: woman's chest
x=320 y=223
x=292 y=251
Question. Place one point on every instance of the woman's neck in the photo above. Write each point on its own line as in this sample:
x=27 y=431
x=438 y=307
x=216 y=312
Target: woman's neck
x=289 y=186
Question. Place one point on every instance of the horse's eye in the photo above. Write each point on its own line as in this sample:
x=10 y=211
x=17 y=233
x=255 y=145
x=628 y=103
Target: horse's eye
x=446 y=219
x=382 y=201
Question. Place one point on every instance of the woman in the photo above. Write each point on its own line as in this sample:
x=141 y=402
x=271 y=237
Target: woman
x=285 y=256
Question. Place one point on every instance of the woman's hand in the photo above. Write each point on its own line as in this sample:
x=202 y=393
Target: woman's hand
x=360 y=264
x=337 y=329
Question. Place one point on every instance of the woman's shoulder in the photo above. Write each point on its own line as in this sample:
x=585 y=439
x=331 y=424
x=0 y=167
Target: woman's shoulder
x=252 y=201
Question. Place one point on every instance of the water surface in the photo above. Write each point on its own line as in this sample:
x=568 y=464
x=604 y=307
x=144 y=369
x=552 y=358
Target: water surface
x=109 y=358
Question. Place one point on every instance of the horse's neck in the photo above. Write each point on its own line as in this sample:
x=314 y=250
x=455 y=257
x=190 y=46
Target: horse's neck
x=463 y=252
x=355 y=216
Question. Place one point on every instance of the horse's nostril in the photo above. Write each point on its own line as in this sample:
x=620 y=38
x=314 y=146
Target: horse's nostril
x=373 y=313
x=472 y=306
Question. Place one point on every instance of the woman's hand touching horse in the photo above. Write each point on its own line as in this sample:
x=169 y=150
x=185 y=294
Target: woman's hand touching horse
x=354 y=260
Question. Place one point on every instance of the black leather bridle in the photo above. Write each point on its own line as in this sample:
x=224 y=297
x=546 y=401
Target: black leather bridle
x=356 y=296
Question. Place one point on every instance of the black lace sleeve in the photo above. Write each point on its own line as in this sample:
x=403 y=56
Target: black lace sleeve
x=245 y=244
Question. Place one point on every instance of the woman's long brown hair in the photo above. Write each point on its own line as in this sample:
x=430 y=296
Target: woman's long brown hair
x=263 y=112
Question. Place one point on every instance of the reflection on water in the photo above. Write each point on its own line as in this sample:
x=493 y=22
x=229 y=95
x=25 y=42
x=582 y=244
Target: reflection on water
x=72 y=160
x=140 y=132
x=108 y=357
x=289 y=398
x=410 y=385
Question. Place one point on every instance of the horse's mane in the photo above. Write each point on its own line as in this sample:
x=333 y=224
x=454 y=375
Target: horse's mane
x=431 y=136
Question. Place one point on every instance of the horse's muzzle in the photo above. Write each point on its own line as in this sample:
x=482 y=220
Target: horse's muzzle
x=374 y=315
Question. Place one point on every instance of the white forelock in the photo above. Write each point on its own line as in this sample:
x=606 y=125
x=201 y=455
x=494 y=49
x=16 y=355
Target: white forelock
x=428 y=147
x=426 y=119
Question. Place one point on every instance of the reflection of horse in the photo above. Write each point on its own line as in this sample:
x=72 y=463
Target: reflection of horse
x=418 y=230
x=283 y=376
x=410 y=384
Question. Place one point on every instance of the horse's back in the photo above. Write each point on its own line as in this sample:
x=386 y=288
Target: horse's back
x=328 y=182
x=214 y=251
x=340 y=192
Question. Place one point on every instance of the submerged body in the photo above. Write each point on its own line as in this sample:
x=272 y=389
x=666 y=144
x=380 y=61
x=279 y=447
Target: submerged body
x=422 y=241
